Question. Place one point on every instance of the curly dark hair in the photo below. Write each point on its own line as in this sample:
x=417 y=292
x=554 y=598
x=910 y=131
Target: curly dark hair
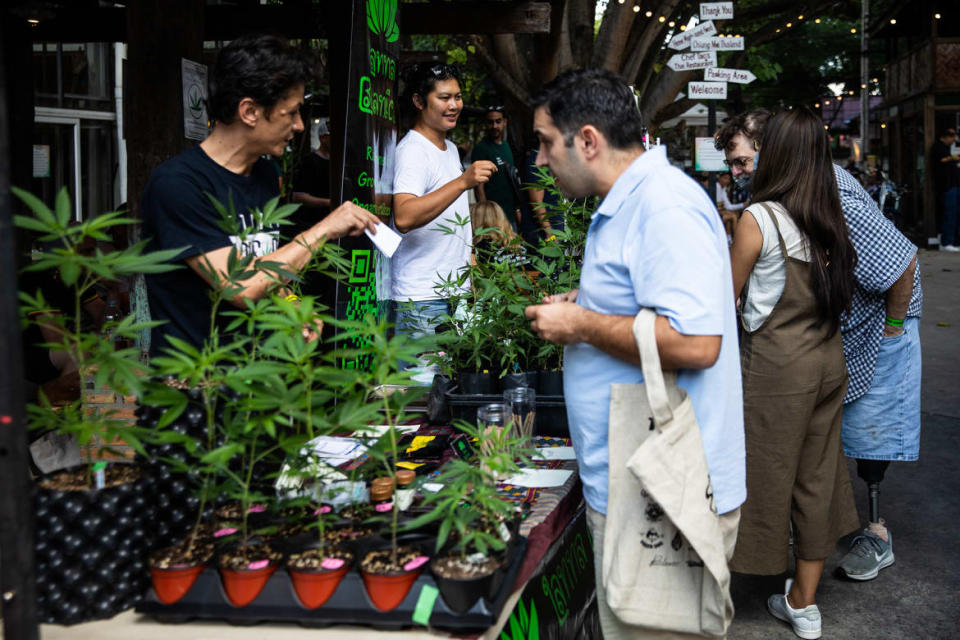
x=261 y=67
x=750 y=124
x=598 y=97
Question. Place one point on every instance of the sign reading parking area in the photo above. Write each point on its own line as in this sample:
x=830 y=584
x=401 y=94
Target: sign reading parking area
x=740 y=76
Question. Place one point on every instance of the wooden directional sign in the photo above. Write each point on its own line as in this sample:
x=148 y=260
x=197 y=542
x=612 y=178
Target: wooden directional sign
x=682 y=40
x=717 y=44
x=707 y=90
x=740 y=76
x=716 y=11
x=690 y=61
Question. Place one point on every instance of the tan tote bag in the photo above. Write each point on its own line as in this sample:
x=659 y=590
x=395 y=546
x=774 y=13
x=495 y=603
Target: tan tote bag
x=663 y=556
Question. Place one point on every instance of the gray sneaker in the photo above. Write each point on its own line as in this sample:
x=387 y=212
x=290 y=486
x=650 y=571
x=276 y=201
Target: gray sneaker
x=806 y=622
x=867 y=555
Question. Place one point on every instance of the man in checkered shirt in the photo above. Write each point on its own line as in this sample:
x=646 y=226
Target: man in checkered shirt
x=881 y=341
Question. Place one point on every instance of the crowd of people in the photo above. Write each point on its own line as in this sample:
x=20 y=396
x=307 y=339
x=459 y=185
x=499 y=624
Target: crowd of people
x=797 y=344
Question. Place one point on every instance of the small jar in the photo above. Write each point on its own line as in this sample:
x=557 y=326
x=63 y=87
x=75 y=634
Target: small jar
x=405 y=488
x=381 y=497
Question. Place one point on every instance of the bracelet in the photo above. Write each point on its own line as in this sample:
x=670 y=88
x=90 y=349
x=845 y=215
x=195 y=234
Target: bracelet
x=295 y=298
x=893 y=322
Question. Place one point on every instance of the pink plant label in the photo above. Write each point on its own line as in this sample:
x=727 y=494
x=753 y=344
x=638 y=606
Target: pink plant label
x=416 y=563
x=386 y=506
x=257 y=508
x=224 y=532
x=323 y=509
x=331 y=564
x=259 y=564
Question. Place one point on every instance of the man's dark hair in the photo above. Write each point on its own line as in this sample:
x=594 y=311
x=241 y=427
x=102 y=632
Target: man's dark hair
x=750 y=124
x=949 y=131
x=420 y=79
x=593 y=96
x=260 y=67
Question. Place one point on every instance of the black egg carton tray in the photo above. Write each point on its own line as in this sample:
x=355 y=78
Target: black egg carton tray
x=349 y=604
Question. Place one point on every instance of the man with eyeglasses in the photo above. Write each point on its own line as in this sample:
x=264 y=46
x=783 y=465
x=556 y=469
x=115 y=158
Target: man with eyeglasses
x=881 y=340
x=494 y=147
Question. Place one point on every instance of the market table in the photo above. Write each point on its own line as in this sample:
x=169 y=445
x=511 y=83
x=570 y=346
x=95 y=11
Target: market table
x=553 y=585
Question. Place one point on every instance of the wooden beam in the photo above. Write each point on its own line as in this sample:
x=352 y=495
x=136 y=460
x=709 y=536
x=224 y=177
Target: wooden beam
x=475 y=17
x=109 y=24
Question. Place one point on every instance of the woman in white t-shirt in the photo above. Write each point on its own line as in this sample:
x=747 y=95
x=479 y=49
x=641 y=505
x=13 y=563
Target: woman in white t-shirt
x=793 y=268
x=430 y=194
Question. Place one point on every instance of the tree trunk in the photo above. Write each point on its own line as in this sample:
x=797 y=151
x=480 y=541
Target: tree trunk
x=612 y=39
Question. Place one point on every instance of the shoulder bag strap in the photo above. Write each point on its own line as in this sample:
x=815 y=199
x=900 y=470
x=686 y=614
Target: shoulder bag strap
x=653 y=375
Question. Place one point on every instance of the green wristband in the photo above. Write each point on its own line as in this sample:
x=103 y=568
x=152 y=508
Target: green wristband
x=893 y=322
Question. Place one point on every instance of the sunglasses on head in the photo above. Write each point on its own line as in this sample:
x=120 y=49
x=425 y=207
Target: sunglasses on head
x=496 y=107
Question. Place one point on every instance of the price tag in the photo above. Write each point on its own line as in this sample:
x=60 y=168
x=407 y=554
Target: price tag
x=424 y=608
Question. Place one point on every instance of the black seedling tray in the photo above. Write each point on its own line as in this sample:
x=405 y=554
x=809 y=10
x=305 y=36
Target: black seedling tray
x=551 y=418
x=349 y=604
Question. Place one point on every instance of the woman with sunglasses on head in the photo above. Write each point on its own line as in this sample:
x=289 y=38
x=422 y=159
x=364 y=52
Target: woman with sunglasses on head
x=430 y=193
x=793 y=270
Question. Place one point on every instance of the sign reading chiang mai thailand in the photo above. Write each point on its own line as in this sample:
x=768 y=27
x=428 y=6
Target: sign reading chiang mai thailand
x=729 y=43
x=690 y=61
x=371 y=128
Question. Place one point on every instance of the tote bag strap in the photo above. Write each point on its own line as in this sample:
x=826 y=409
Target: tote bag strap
x=653 y=376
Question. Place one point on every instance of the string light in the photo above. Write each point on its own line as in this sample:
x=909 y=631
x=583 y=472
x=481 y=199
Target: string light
x=789 y=24
x=662 y=19
x=876 y=80
x=636 y=8
x=620 y=1
x=851 y=91
x=883 y=125
x=937 y=16
x=816 y=106
x=839 y=98
x=649 y=14
x=800 y=17
x=778 y=30
x=853 y=30
x=817 y=20
x=671 y=23
x=683 y=27
x=826 y=102
x=863 y=85
x=826 y=126
x=893 y=21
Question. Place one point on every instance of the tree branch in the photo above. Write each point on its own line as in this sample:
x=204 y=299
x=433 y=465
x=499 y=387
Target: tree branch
x=500 y=74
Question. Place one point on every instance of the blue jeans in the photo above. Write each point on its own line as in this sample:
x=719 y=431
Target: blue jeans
x=418 y=318
x=949 y=205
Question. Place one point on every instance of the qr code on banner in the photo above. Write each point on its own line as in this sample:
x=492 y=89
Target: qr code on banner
x=362 y=301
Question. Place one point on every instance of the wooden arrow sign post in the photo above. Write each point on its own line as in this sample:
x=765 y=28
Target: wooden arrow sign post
x=691 y=61
x=739 y=76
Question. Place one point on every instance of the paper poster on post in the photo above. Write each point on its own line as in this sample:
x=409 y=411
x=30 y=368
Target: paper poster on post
x=707 y=157
x=716 y=11
x=194 y=77
x=707 y=90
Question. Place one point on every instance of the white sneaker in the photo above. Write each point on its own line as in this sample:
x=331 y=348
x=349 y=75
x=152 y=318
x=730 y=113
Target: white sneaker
x=805 y=622
x=949 y=247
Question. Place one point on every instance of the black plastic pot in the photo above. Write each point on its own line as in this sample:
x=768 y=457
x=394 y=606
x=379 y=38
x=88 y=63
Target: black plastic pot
x=91 y=551
x=550 y=383
x=461 y=594
x=472 y=383
x=517 y=380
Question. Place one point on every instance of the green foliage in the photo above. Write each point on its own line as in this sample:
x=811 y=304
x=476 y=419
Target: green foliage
x=382 y=18
x=81 y=269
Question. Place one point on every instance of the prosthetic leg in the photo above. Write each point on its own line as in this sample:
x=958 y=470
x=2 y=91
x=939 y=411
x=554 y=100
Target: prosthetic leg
x=871 y=471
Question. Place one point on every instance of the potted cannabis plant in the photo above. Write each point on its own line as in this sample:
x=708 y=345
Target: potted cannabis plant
x=91 y=536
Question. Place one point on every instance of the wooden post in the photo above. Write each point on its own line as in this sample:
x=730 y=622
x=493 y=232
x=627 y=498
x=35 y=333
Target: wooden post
x=17 y=581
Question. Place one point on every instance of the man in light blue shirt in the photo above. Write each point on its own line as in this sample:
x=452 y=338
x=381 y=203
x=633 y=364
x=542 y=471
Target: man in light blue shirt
x=655 y=241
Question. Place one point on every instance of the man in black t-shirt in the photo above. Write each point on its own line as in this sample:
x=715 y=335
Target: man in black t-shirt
x=946 y=181
x=256 y=91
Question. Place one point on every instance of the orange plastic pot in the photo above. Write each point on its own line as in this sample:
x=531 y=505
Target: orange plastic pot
x=172 y=584
x=243 y=587
x=386 y=592
x=314 y=588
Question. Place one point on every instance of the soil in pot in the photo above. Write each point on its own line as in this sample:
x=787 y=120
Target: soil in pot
x=245 y=571
x=550 y=383
x=473 y=383
x=387 y=584
x=90 y=545
x=516 y=380
x=175 y=569
x=463 y=581
x=316 y=573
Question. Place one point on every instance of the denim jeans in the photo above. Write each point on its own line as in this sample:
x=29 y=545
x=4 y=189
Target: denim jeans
x=949 y=205
x=418 y=318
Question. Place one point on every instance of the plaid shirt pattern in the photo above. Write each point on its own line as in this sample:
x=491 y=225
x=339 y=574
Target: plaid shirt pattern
x=883 y=254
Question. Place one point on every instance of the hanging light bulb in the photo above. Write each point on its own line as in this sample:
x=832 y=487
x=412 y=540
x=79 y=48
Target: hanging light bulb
x=853 y=30
x=863 y=85
x=893 y=21
x=826 y=102
x=621 y=1
x=851 y=92
x=662 y=19
x=817 y=20
x=816 y=106
x=937 y=16
x=636 y=8
x=649 y=14
x=789 y=24
x=800 y=17
x=778 y=30
x=671 y=23
x=683 y=27
x=883 y=125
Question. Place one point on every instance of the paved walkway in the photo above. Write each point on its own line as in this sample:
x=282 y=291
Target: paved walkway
x=918 y=596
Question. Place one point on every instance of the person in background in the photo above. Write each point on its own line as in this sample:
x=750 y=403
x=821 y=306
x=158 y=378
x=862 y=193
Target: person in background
x=542 y=201
x=311 y=180
x=655 y=242
x=501 y=187
x=881 y=341
x=793 y=271
x=729 y=210
x=493 y=237
x=430 y=193
x=946 y=182
x=256 y=91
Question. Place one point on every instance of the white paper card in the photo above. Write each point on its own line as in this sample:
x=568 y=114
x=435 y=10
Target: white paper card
x=385 y=239
x=555 y=453
x=539 y=478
